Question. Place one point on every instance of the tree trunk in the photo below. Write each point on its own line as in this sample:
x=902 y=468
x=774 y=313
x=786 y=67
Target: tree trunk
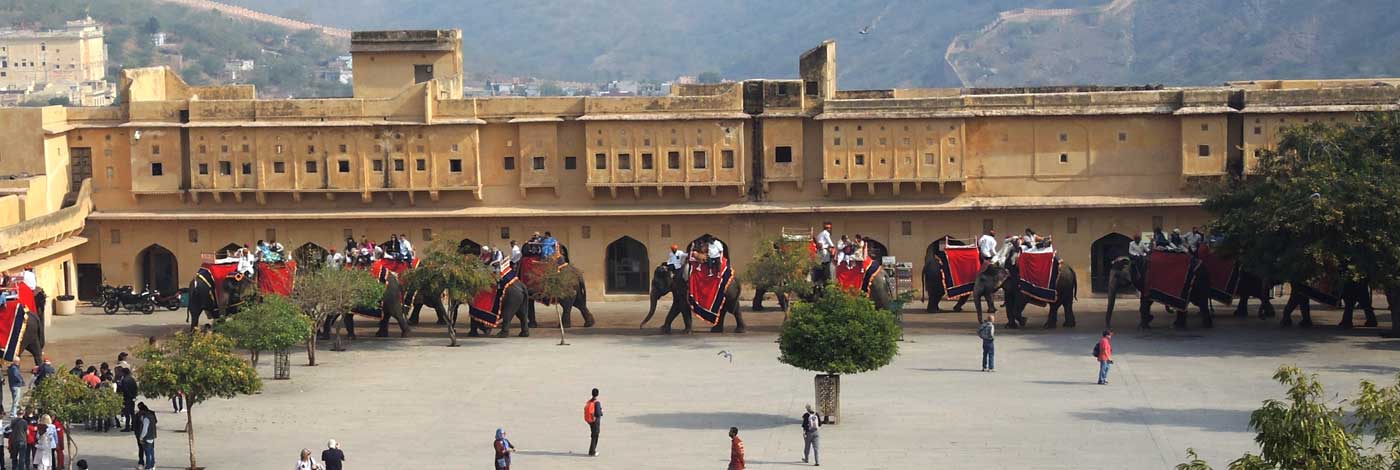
x=254 y=359
x=189 y=432
x=311 y=348
x=72 y=450
x=559 y=313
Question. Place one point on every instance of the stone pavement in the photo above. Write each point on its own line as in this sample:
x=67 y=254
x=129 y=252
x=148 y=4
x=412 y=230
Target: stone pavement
x=414 y=403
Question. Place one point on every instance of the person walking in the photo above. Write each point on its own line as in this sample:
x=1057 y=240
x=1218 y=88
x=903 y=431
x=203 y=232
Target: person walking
x=988 y=332
x=307 y=462
x=1104 y=352
x=19 y=443
x=16 y=381
x=593 y=415
x=736 y=450
x=503 y=450
x=811 y=439
x=333 y=458
x=145 y=429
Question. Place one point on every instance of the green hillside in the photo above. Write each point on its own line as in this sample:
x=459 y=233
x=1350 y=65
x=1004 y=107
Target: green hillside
x=286 y=61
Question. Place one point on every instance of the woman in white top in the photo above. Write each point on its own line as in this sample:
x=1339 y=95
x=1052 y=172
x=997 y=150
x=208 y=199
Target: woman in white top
x=46 y=442
x=307 y=462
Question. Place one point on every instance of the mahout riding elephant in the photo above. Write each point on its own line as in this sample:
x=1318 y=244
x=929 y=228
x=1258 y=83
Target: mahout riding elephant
x=218 y=303
x=1354 y=294
x=1131 y=272
x=390 y=306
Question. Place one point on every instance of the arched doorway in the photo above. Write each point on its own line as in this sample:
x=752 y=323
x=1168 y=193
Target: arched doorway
x=1102 y=253
x=469 y=247
x=228 y=250
x=310 y=256
x=626 y=266
x=875 y=250
x=157 y=268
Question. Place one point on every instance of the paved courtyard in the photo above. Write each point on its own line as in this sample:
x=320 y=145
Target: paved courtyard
x=415 y=403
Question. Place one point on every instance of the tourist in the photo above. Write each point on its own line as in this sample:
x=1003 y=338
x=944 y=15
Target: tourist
x=677 y=260
x=19 y=443
x=736 y=450
x=987 y=246
x=1192 y=239
x=593 y=415
x=4 y=441
x=333 y=458
x=77 y=369
x=515 y=254
x=391 y=247
x=1104 y=353
x=405 y=248
x=145 y=436
x=334 y=260
x=1159 y=239
x=16 y=381
x=177 y=402
x=824 y=244
x=90 y=377
x=350 y=244
x=307 y=462
x=127 y=387
x=989 y=351
x=46 y=440
x=551 y=245
x=503 y=450
x=121 y=360
x=811 y=438
x=43 y=371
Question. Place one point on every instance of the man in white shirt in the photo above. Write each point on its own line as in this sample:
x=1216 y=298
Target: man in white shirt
x=245 y=262
x=824 y=244
x=515 y=254
x=841 y=257
x=405 y=248
x=678 y=258
x=987 y=246
x=335 y=260
x=29 y=278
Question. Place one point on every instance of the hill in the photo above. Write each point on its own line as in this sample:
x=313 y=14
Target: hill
x=198 y=43
x=906 y=42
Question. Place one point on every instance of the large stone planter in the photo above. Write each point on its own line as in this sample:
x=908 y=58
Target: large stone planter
x=828 y=397
x=65 y=308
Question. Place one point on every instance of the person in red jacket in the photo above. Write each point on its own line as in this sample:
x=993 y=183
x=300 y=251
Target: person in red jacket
x=1104 y=352
x=736 y=450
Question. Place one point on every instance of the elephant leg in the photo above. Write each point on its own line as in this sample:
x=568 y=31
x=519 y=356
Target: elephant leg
x=504 y=327
x=1108 y=315
x=332 y=324
x=413 y=316
x=1069 y=313
x=738 y=316
x=1266 y=308
x=568 y=317
x=719 y=323
x=403 y=324
x=990 y=295
x=1288 y=307
x=1207 y=312
x=758 y=294
x=1369 y=310
x=530 y=313
x=581 y=301
x=1180 y=317
x=670 y=317
x=1348 y=306
x=686 y=318
x=1242 y=310
x=1305 y=308
x=1054 y=319
x=524 y=323
x=977 y=305
x=1145 y=314
x=958 y=307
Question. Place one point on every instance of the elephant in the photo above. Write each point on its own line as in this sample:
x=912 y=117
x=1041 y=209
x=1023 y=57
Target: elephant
x=679 y=287
x=391 y=306
x=579 y=300
x=1353 y=295
x=515 y=303
x=1067 y=291
x=990 y=279
x=1132 y=272
x=1253 y=286
x=417 y=300
x=32 y=341
x=203 y=298
x=661 y=285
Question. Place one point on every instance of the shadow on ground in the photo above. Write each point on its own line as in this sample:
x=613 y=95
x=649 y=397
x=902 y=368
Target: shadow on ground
x=1205 y=419
x=711 y=420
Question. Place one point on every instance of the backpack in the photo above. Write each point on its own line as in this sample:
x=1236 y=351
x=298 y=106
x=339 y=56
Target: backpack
x=1097 y=350
x=983 y=332
x=588 y=411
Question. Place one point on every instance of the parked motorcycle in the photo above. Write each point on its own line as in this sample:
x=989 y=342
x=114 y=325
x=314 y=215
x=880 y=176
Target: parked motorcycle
x=171 y=302
x=104 y=293
x=125 y=297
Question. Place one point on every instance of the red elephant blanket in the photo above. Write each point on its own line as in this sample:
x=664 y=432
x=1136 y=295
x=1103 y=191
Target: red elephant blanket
x=12 y=321
x=961 y=264
x=277 y=278
x=1169 y=278
x=1040 y=273
x=857 y=277
x=707 y=290
x=1224 y=274
x=486 y=306
x=213 y=275
x=383 y=269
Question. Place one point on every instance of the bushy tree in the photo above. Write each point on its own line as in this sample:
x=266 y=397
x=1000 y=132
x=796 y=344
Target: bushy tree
x=202 y=366
x=549 y=285
x=274 y=324
x=444 y=270
x=327 y=292
x=781 y=266
x=838 y=333
x=67 y=398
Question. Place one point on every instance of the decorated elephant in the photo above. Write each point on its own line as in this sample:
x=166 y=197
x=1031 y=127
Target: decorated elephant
x=678 y=284
x=1250 y=286
x=416 y=300
x=1132 y=273
x=32 y=340
x=216 y=302
x=390 y=306
x=531 y=265
x=514 y=303
x=1066 y=290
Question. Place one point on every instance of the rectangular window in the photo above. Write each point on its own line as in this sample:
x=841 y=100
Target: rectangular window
x=700 y=159
x=247 y=168
x=883 y=141
x=421 y=164
x=1122 y=136
x=860 y=159
x=420 y=149
x=455 y=147
x=157 y=169
x=836 y=141
x=509 y=163
x=1072 y=225
x=223 y=148
x=537 y=163
x=1064 y=137
x=310 y=149
x=245 y=147
x=115 y=236
x=929 y=159
x=378 y=165
x=427 y=234
x=1258 y=130
x=398 y=164
x=673 y=160
x=600 y=161
x=1064 y=158
x=647 y=162
x=1203 y=150
x=347 y=233
x=586 y=231
x=277 y=149
x=203 y=168
x=906 y=228
x=665 y=230
x=570 y=163
x=726 y=159
x=505 y=233
x=342 y=166
x=811 y=88
x=860 y=141
x=624 y=161
x=454 y=165
x=782 y=154
x=343 y=148
x=782 y=89
x=202 y=148
x=155 y=150
x=271 y=235
x=193 y=236
x=1156 y=221
x=310 y=166
x=1205 y=127
x=279 y=167
x=646 y=142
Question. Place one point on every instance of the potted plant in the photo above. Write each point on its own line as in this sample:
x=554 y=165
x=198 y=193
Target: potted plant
x=839 y=333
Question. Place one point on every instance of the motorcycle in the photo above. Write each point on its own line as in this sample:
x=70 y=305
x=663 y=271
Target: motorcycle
x=171 y=302
x=125 y=297
x=104 y=293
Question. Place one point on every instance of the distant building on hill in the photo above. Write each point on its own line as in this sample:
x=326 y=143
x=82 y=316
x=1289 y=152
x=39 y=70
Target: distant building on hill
x=70 y=62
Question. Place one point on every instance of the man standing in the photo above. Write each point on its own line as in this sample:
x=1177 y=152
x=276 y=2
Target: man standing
x=43 y=371
x=515 y=254
x=333 y=457
x=593 y=415
x=987 y=246
x=989 y=351
x=127 y=387
x=145 y=437
x=736 y=450
x=1104 y=352
x=19 y=443
x=811 y=425
x=16 y=381
x=824 y=243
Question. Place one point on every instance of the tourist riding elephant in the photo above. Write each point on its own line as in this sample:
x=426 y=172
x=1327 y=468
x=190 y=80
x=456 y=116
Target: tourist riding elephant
x=1131 y=272
x=390 y=306
x=218 y=303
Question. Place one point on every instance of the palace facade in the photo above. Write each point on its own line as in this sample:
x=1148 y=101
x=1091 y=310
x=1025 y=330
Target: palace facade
x=177 y=171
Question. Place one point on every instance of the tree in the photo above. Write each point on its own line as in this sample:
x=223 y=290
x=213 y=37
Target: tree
x=274 y=324
x=152 y=26
x=327 y=292
x=548 y=284
x=1305 y=432
x=67 y=398
x=551 y=89
x=202 y=366
x=781 y=266
x=839 y=333
x=444 y=270
x=1320 y=204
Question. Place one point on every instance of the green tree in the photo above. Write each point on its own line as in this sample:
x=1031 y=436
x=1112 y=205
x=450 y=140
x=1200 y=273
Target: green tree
x=67 y=398
x=274 y=324
x=838 y=333
x=549 y=285
x=781 y=266
x=152 y=26
x=709 y=77
x=202 y=365
x=444 y=270
x=551 y=89
x=327 y=292
x=1321 y=203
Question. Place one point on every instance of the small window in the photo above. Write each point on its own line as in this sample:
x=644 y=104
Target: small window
x=378 y=148
x=505 y=233
x=906 y=228
x=836 y=141
x=378 y=165
x=193 y=236
x=456 y=147
x=860 y=159
x=1064 y=158
x=883 y=141
x=157 y=169
x=673 y=160
x=1072 y=225
x=665 y=230
x=310 y=166
x=347 y=233
x=570 y=163
x=782 y=89
x=929 y=159
x=247 y=168
x=600 y=161
x=427 y=234
x=1122 y=136
x=420 y=164
x=537 y=163
x=106 y=152
x=271 y=235
x=1156 y=221
x=647 y=162
x=223 y=148
x=398 y=164
x=1203 y=150
x=203 y=168
x=1064 y=137
x=811 y=88
x=202 y=148
x=245 y=147
x=279 y=167
x=1258 y=130
x=420 y=149
x=905 y=141
x=586 y=231
x=624 y=161
x=115 y=236
x=700 y=159
x=860 y=141
x=1205 y=127
x=782 y=154
x=311 y=150
x=342 y=166
x=726 y=159
x=155 y=150
x=646 y=142
x=454 y=165
x=343 y=148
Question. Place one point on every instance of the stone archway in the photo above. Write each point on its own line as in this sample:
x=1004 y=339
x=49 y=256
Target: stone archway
x=1102 y=253
x=626 y=264
x=157 y=268
x=310 y=256
x=874 y=249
